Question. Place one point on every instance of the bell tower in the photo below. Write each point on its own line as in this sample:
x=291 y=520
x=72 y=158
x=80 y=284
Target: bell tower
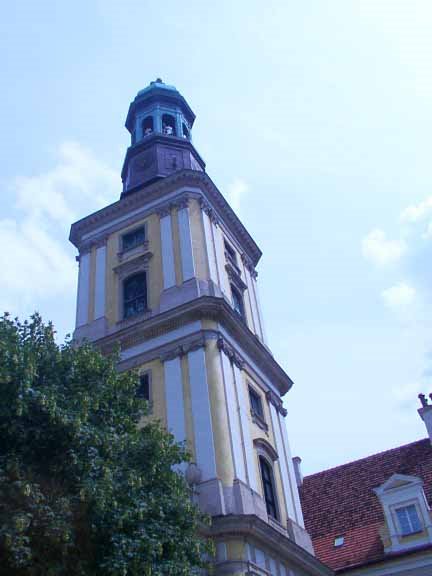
x=160 y=123
x=168 y=272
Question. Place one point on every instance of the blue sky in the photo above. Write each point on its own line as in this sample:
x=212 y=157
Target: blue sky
x=314 y=119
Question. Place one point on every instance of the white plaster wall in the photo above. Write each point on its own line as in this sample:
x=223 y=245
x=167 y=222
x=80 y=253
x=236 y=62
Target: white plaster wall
x=220 y=261
x=243 y=406
x=187 y=260
x=210 y=249
x=83 y=290
x=258 y=307
x=283 y=464
x=203 y=431
x=168 y=267
x=233 y=419
x=174 y=399
x=291 y=474
x=99 y=309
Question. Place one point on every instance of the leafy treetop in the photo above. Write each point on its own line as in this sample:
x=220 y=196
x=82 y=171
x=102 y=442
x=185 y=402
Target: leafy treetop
x=85 y=489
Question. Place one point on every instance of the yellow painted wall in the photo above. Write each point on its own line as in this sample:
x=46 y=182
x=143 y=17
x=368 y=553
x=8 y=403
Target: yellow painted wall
x=157 y=389
x=224 y=460
x=155 y=276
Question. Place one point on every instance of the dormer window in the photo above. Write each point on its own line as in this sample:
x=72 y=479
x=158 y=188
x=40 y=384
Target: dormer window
x=408 y=519
x=168 y=125
x=406 y=512
x=147 y=126
x=133 y=239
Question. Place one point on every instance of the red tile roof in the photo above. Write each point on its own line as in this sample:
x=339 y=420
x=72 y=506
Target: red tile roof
x=341 y=502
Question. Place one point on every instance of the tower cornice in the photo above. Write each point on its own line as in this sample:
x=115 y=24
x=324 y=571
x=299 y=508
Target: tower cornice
x=155 y=197
x=205 y=307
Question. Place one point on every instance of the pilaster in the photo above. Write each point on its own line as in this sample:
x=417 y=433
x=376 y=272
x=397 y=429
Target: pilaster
x=83 y=298
x=185 y=237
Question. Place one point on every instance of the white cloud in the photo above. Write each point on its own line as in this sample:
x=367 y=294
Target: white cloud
x=236 y=192
x=36 y=260
x=381 y=251
x=417 y=212
x=399 y=296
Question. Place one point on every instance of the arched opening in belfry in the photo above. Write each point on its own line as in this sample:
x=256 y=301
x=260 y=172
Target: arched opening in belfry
x=185 y=131
x=147 y=125
x=168 y=125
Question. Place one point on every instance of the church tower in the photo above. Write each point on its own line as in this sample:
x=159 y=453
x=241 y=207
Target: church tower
x=168 y=273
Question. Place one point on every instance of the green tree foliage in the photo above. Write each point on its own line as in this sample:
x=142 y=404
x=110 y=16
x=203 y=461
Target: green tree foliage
x=85 y=490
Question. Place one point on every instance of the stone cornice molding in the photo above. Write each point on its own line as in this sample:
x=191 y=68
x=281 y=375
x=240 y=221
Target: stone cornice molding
x=137 y=200
x=128 y=267
x=235 y=277
x=181 y=202
x=205 y=206
x=94 y=243
x=205 y=307
x=249 y=265
x=233 y=356
x=274 y=399
x=183 y=349
x=252 y=527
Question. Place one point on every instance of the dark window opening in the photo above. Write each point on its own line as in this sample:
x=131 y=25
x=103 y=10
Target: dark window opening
x=135 y=295
x=185 y=131
x=256 y=403
x=133 y=239
x=268 y=487
x=168 y=125
x=237 y=300
x=147 y=125
x=143 y=390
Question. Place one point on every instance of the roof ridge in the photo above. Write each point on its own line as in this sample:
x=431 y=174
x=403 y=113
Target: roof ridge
x=364 y=458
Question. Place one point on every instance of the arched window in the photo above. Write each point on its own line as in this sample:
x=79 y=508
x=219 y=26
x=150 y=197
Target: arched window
x=135 y=295
x=185 y=131
x=168 y=125
x=147 y=125
x=267 y=479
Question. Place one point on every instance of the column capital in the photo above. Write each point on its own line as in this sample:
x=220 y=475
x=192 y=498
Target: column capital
x=229 y=351
x=249 y=265
x=183 y=349
x=274 y=399
x=205 y=207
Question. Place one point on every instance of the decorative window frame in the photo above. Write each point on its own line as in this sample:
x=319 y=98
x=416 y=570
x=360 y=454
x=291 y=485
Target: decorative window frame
x=124 y=271
x=257 y=418
x=398 y=491
x=266 y=452
x=142 y=248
